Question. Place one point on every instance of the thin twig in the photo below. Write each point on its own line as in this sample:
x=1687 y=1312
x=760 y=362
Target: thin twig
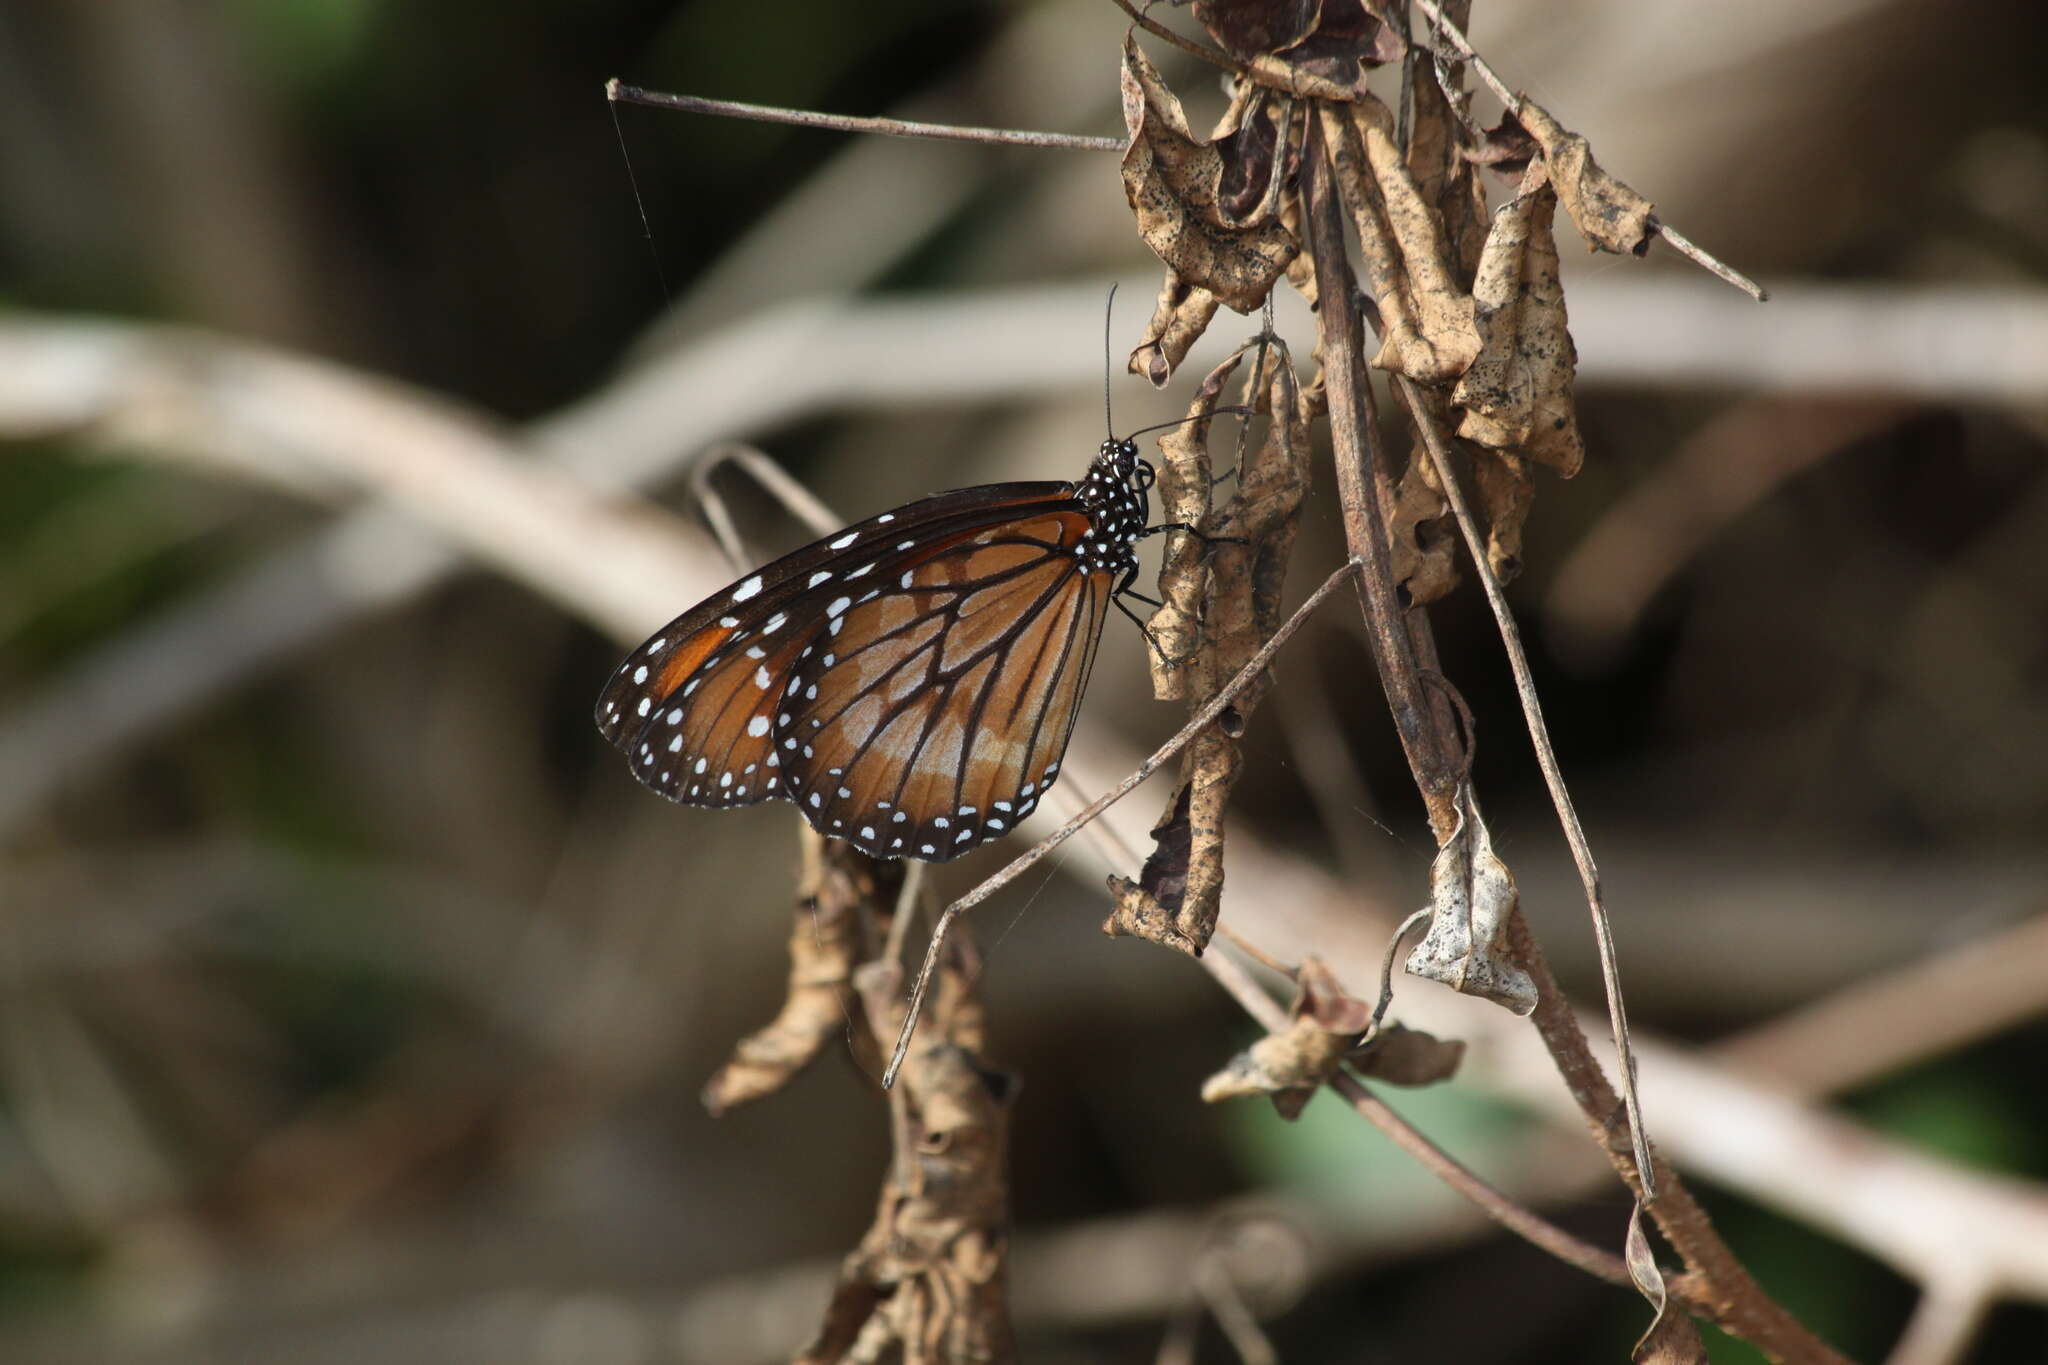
x=1353 y=441
x=1181 y=739
x=1513 y=104
x=1700 y=256
x=847 y=123
x=1413 y=1141
x=1546 y=759
x=1187 y=45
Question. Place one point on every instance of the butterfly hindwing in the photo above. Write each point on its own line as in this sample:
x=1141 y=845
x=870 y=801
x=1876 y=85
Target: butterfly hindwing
x=932 y=713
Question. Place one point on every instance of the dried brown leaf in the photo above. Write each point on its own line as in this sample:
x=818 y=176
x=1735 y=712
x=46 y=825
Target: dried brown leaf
x=1427 y=330
x=1291 y=1064
x=1178 y=321
x=1252 y=139
x=1608 y=214
x=932 y=1273
x=1184 y=483
x=1505 y=494
x=1149 y=907
x=1174 y=183
x=1518 y=394
x=1400 y=1055
x=1506 y=147
x=1322 y=997
x=1671 y=1339
x=1443 y=175
x=1422 y=539
x=1247 y=28
x=1322 y=49
x=1239 y=576
x=825 y=942
x=1472 y=897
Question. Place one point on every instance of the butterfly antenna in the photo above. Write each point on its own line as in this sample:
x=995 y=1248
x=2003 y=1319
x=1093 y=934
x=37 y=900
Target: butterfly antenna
x=1232 y=411
x=1108 y=418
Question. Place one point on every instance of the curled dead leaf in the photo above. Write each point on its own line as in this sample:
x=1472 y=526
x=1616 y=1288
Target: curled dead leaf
x=1472 y=897
x=1321 y=49
x=1148 y=908
x=1178 y=321
x=1421 y=538
x=1672 y=1338
x=1253 y=139
x=1608 y=214
x=1443 y=176
x=1405 y=1056
x=1506 y=147
x=1506 y=493
x=825 y=943
x=1174 y=183
x=1231 y=588
x=1427 y=330
x=1184 y=482
x=1517 y=395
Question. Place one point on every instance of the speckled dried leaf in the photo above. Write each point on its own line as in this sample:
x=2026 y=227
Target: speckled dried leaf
x=1608 y=214
x=1518 y=394
x=1426 y=325
x=1472 y=896
x=1174 y=183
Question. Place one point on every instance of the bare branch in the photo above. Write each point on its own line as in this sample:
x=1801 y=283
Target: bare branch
x=848 y=123
x=1198 y=722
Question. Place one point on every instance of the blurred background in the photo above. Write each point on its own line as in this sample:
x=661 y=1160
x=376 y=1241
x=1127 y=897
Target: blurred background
x=354 y=1002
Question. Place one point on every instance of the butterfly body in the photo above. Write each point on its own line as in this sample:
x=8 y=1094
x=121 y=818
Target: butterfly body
x=909 y=683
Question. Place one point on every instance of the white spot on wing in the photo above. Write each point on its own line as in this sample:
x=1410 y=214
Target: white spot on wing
x=761 y=676
x=846 y=540
x=839 y=604
x=756 y=727
x=819 y=577
x=640 y=674
x=750 y=588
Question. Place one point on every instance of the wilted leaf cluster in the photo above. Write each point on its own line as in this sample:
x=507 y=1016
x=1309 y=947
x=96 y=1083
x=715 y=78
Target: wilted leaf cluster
x=1466 y=305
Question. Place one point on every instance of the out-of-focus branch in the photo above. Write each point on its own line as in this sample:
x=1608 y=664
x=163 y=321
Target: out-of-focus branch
x=97 y=379
x=1718 y=473
x=1848 y=1182
x=1973 y=990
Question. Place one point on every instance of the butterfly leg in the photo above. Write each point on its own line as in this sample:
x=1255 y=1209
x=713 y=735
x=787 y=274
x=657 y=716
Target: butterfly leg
x=1198 y=535
x=1150 y=639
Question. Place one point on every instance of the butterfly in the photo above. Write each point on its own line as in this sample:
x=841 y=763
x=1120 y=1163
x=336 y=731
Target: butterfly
x=910 y=683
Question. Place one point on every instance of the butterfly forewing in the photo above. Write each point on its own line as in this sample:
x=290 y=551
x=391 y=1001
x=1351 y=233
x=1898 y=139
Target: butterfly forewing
x=935 y=709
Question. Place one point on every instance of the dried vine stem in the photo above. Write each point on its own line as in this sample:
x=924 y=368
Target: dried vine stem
x=620 y=93
x=1553 y=776
x=1494 y=1203
x=1181 y=739
x=1431 y=750
x=1716 y=1283
x=1685 y=246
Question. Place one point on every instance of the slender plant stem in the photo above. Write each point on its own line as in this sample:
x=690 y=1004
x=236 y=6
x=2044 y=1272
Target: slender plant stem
x=1553 y=776
x=846 y=123
x=1513 y=103
x=1200 y=721
x=1495 y=1204
x=1353 y=442
x=1165 y=34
